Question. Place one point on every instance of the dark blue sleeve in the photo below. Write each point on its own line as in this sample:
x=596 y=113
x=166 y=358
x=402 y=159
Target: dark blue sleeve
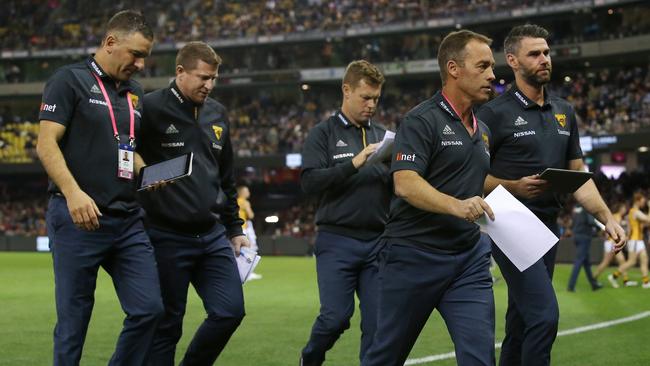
x=59 y=99
x=573 y=151
x=414 y=146
x=230 y=213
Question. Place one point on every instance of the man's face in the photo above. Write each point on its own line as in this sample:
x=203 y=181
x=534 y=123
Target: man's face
x=532 y=61
x=127 y=52
x=476 y=74
x=361 y=102
x=196 y=84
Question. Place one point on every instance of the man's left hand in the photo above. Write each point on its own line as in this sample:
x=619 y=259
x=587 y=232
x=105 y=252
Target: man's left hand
x=239 y=241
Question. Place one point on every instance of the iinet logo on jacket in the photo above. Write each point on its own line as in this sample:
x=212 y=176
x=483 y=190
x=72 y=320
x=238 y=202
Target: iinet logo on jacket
x=405 y=157
x=48 y=107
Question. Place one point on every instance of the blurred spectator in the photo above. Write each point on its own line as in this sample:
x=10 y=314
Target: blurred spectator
x=22 y=211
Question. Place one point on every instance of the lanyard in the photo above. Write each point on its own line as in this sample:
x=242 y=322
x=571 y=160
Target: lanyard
x=458 y=114
x=110 y=112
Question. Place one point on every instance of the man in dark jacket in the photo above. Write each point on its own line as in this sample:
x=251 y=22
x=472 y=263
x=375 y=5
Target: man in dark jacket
x=352 y=210
x=194 y=224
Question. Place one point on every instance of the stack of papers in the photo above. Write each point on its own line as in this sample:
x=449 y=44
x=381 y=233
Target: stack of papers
x=520 y=235
x=246 y=262
x=384 y=150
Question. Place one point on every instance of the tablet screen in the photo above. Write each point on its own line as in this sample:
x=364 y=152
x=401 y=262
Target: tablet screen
x=166 y=170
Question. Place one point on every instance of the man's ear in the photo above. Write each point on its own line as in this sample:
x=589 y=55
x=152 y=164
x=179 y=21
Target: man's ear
x=453 y=69
x=512 y=61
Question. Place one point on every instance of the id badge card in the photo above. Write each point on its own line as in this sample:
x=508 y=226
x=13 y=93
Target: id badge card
x=125 y=161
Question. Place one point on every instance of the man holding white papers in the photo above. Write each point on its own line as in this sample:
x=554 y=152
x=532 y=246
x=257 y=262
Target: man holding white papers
x=433 y=258
x=352 y=210
x=194 y=224
x=532 y=131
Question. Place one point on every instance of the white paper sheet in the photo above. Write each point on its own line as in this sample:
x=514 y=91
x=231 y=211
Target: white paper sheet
x=246 y=262
x=520 y=235
x=384 y=149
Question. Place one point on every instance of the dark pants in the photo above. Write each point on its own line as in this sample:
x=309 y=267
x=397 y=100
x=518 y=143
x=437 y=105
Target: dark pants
x=208 y=263
x=122 y=248
x=413 y=282
x=532 y=316
x=583 y=244
x=344 y=266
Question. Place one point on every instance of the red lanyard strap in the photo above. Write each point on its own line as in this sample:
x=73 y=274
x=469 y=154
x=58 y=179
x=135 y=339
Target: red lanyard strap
x=458 y=114
x=112 y=114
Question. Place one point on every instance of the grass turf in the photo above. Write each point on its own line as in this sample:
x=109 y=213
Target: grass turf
x=281 y=308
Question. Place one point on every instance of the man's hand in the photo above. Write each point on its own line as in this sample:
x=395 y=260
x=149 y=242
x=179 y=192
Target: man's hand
x=529 y=187
x=616 y=232
x=361 y=157
x=83 y=210
x=239 y=241
x=472 y=209
x=158 y=185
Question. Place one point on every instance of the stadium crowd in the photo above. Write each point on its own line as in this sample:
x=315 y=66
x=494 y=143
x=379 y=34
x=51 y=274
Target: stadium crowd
x=74 y=24
x=22 y=210
x=77 y=24
x=606 y=101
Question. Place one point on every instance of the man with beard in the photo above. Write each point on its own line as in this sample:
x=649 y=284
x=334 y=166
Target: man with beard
x=353 y=197
x=194 y=223
x=532 y=131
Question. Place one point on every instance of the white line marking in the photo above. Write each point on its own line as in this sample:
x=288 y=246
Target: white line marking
x=587 y=328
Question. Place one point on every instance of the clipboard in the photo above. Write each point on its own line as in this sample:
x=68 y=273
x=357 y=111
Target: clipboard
x=565 y=181
x=165 y=171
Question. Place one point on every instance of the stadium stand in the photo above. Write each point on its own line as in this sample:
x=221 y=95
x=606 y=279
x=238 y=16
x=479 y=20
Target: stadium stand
x=275 y=42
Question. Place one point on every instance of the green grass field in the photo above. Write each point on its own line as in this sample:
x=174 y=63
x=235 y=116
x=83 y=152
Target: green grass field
x=281 y=308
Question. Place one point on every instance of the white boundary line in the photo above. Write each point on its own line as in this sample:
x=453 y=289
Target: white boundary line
x=587 y=328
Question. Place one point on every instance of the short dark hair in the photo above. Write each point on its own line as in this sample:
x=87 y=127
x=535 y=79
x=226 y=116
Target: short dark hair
x=192 y=52
x=362 y=70
x=129 y=21
x=513 y=39
x=452 y=47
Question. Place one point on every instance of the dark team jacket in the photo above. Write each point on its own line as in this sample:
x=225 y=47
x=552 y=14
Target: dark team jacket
x=73 y=98
x=351 y=202
x=172 y=126
x=528 y=138
x=433 y=142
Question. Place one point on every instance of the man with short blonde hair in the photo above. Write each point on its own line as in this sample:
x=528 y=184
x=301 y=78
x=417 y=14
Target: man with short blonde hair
x=353 y=198
x=362 y=70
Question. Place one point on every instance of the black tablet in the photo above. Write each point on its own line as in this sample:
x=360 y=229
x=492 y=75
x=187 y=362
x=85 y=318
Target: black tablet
x=565 y=181
x=165 y=171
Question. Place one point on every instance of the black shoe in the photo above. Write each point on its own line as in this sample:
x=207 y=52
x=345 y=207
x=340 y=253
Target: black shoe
x=596 y=286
